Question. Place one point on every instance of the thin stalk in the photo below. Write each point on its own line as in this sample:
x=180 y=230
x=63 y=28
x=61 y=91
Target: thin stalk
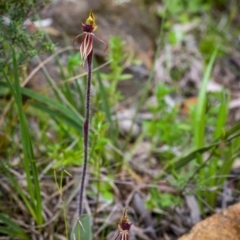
x=86 y=131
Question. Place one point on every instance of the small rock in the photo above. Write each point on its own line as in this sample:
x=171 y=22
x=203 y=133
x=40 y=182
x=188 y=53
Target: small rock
x=126 y=125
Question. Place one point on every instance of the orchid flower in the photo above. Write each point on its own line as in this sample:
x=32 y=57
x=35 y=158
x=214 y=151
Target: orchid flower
x=88 y=28
x=123 y=226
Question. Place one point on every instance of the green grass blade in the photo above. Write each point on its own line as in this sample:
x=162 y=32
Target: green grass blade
x=23 y=133
x=80 y=95
x=19 y=190
x=4 y=84
x=104 y=98
x=199 y=121
x=182 y=161
x=29 y=164
x=212 y=169
x=230 y=156
x=60 y=116
x=52 y=103
x=233 y=131
x=222 y=114
x=200 y=118
x=11 y=228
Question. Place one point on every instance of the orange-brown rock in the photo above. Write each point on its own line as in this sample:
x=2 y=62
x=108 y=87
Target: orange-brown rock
x=221 y=226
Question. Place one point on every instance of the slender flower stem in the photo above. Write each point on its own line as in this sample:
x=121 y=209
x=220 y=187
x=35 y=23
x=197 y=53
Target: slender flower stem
x=86 y=131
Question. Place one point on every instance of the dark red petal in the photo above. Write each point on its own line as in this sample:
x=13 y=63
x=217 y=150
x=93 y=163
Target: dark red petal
x=101 y=41
x=87 y=28
x=77 y=37
x=86 y=46
x=125 y=226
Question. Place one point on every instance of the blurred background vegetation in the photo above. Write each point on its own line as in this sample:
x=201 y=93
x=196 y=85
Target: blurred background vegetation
x=165 y=119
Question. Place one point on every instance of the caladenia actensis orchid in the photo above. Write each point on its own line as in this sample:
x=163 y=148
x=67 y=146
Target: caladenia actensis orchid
x=124 y=227
x=86 y=47
x=86 y=51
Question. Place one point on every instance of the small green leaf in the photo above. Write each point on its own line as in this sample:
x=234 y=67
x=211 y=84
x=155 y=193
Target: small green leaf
x=125 y=77
x=82 y=229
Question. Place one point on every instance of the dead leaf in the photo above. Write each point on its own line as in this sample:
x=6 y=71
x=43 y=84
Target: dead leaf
x=187 y=104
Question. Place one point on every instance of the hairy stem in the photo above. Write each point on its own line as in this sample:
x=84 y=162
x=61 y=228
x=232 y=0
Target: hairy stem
x=86 y=131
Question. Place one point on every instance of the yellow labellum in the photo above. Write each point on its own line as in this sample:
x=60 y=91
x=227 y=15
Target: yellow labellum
x=91 y=20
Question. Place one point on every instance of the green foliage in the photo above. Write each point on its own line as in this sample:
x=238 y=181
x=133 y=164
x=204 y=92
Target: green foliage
x=207 y=131
x=175 y=7
x=159 y=200
x=200 y=116
x=117 y=58
x=11 y=229
x=29 y=163
x=73 y=62
x=175 y=36
x=164 y=127
x=181 y=10
x=14 y=33
x=197 y=149
x=65 y=157
x=104 y=189
x=200 y=113
x=56 y=109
